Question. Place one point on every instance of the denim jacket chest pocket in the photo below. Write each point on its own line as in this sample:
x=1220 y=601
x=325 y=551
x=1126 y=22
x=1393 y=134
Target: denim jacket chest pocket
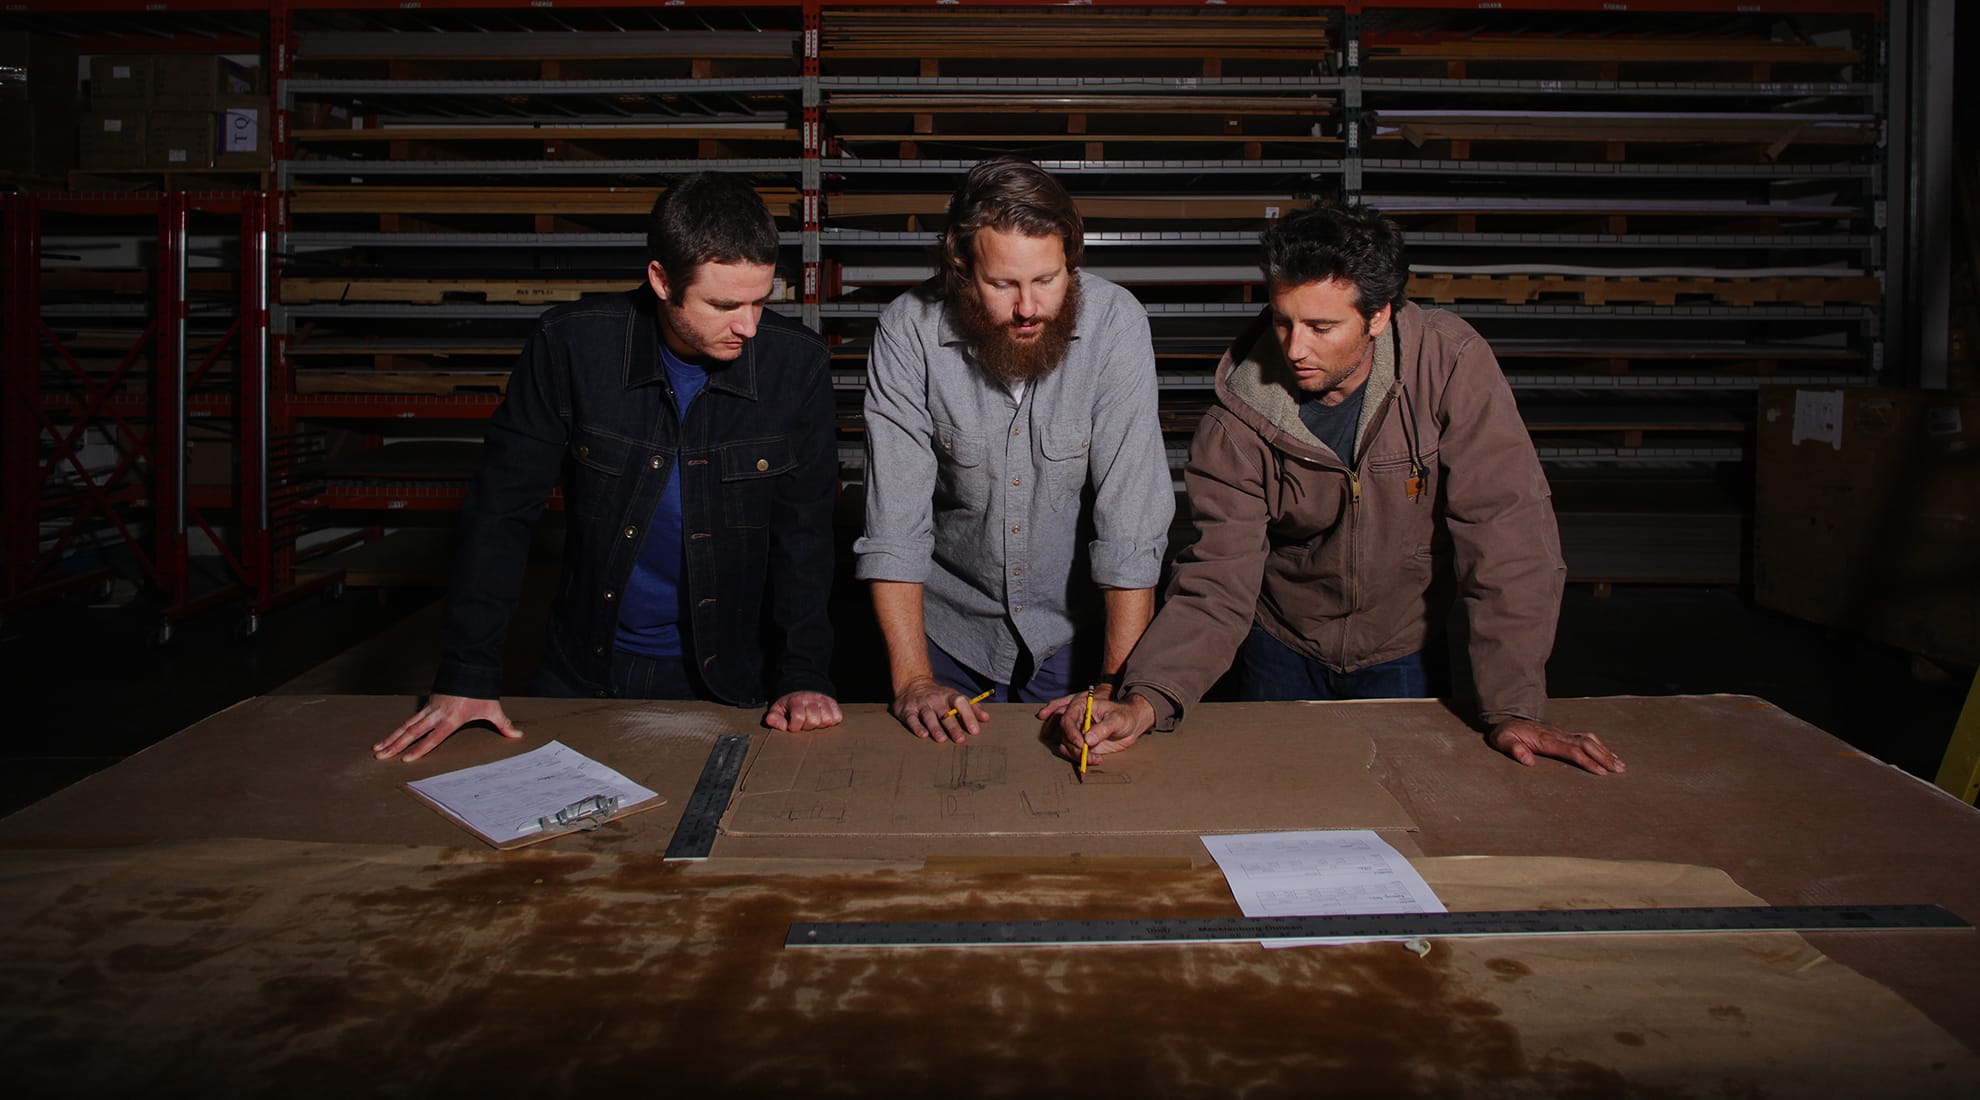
x=961 y=477
x=1065 y=448
x=749 y=470
x=599 y=462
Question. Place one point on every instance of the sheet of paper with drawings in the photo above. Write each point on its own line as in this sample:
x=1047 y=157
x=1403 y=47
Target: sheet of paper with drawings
x=1318 y=874
x=868 y=778
x=538 y=795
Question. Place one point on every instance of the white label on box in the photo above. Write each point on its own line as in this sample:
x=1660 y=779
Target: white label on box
x=1818 y=417
x=240 y=131
x=1943 y=420
x=113 y=125
x=120 y=72
x=176 y=156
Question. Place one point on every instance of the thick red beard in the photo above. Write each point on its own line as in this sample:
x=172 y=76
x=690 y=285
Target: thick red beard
x=1007 y=358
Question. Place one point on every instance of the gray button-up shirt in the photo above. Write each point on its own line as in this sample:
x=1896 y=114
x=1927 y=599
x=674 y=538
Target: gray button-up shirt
x=977 y=494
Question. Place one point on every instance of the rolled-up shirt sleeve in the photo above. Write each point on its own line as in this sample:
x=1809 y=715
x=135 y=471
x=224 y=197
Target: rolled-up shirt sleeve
x=899 y=538
x=1134 y=496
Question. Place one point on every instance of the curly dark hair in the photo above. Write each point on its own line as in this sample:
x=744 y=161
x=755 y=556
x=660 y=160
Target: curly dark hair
x=1007 y=193
x=1331 y=242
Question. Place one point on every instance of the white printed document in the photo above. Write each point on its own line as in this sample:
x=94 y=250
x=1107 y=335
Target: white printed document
x=504 y=801
x=1320 y=873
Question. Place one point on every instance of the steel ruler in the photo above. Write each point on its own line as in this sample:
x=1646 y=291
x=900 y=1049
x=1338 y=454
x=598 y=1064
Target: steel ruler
x=1512 y=922
x=694 y=837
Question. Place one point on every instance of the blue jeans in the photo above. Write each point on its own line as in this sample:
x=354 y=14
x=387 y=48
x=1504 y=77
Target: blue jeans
x=1028 y=685
x=1268 y=671
x=634 y=676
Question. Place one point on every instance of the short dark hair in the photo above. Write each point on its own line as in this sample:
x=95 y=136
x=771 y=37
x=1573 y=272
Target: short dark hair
x=1331 y=242
x=1007 y=193
x=709 y=218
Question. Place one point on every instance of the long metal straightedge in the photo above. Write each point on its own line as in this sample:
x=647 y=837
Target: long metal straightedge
x=694 y=837
x=1514 y=922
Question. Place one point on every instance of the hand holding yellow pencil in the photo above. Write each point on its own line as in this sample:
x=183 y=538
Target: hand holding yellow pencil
x=1085 y=727
x=953 y=711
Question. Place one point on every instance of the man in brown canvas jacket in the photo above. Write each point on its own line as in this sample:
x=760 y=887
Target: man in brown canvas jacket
x=1355 y=438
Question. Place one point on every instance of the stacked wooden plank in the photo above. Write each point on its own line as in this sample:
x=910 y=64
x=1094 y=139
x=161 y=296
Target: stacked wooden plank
x=1044 y=33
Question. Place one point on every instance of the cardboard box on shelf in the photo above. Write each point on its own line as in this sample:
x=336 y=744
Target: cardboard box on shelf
x=119 y=83
x=1864 y=517
x=179 y=139
x=197 y=82
x=241 y=128
x=112 y=141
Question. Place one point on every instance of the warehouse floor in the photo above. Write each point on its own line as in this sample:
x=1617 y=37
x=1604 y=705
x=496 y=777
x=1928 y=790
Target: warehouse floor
x=97 y=689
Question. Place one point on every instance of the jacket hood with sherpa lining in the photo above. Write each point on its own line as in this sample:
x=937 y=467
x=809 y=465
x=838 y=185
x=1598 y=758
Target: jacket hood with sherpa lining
x=1255 y=383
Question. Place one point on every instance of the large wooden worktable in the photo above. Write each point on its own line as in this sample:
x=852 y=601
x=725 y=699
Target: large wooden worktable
x=256 y=906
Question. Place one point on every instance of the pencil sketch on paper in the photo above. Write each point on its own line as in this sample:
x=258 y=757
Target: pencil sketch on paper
x=972 y=768
x=799 y=806
x=830 y=772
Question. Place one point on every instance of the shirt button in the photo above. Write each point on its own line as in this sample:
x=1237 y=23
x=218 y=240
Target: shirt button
x=631 y=531
x=762 y=464
x=1017 y=431
x=1017 y=608
x=598 y=651
x=654 y=462
x=584 y=451
x=1017 y=481
x=1015 y=528
x=1018 y=572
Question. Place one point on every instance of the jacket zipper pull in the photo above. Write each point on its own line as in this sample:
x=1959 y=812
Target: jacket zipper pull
x=1354 y=488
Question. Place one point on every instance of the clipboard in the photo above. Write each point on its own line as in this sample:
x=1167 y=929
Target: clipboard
x=585 y=815
x=530 y=798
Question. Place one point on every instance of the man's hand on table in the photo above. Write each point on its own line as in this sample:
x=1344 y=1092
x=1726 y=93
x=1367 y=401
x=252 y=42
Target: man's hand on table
x=1116 y=726
x=923 y=706
x=1524 y=740
x=437 y=721
x=803 y=710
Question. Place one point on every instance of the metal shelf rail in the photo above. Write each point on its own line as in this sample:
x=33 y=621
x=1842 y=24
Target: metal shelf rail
x=143 y=496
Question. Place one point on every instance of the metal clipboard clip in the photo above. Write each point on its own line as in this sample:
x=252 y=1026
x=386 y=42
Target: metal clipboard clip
x=586 y=813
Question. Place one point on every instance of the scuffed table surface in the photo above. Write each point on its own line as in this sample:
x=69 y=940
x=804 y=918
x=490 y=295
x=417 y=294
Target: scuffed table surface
x=178 y=930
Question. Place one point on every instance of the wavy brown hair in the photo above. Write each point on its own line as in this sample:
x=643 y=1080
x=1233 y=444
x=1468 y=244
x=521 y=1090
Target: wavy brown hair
x=1007 y=193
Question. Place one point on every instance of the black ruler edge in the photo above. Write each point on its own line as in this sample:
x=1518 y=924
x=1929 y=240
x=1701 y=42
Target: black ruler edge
x=1510 y=922
x=694 y=837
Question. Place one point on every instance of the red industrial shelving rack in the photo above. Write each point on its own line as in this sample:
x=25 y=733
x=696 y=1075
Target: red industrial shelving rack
x=263 y=556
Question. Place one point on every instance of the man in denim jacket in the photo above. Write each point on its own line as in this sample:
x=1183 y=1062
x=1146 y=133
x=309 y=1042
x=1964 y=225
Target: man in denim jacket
x=692 y=432
x=1015 y=473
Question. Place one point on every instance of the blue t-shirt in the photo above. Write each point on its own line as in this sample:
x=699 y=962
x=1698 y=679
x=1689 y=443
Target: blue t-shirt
x=653 y=620
x=1334 y=425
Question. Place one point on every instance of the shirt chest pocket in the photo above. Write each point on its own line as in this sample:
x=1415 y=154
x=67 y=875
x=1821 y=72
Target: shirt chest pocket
x=962 y=478
x=749 y=470
x=598 y=467
x=1065 y=452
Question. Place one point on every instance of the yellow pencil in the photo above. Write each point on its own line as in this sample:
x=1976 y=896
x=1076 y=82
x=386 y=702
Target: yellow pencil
x=1084 y=728
x=972 y=702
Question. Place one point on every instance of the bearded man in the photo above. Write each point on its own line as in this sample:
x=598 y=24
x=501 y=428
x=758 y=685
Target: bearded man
x=1016 y=486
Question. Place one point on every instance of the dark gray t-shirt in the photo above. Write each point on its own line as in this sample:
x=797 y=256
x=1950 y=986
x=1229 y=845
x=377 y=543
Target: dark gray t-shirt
x=1334 y=424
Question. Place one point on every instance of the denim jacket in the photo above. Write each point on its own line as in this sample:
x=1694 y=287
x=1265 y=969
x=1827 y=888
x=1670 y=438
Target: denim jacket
x=589 y=407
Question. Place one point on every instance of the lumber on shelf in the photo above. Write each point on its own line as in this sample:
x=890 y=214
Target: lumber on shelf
x=865 y=104
x=1520 y=289
x=593 y=132
x=1609 y=48
x=1419 y=127
x=1090 y=206
x=1056 y=34
x=492 y=200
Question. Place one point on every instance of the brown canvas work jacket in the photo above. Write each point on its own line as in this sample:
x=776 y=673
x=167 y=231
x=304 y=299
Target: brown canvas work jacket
x=1336 y=560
